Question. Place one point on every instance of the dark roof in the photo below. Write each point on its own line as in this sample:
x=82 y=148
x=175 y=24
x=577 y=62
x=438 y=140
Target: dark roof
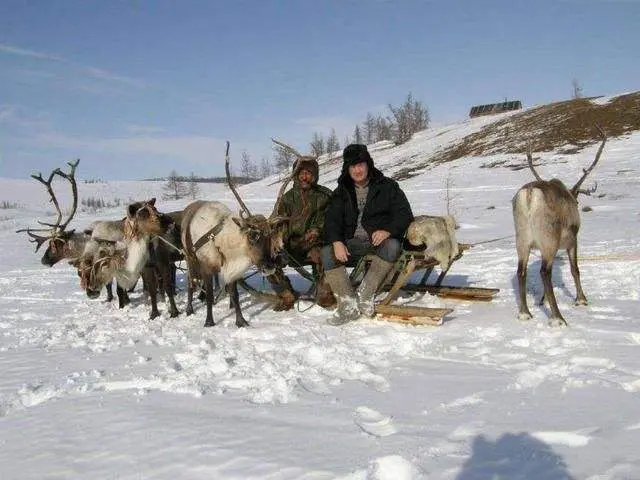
x=492 y=108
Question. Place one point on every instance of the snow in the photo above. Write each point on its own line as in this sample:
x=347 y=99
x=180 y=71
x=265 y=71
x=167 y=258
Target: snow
x=90 y=391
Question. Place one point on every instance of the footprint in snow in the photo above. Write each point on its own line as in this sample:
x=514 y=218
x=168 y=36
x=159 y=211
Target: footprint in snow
x=373 y=422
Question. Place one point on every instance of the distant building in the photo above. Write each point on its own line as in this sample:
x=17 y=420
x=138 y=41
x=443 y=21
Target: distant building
x=493 y=108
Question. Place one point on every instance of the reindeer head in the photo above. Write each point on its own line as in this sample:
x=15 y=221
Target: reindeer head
x=57 y=235
x=143 y=219
x=97 y=266
x=264 y=235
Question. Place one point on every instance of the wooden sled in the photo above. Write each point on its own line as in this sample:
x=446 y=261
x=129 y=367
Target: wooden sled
x=408 y=262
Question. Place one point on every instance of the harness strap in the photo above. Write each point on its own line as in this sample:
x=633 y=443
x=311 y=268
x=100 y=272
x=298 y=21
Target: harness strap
x=210 y=235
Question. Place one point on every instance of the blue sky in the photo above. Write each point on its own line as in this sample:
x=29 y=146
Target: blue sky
x=136 y=89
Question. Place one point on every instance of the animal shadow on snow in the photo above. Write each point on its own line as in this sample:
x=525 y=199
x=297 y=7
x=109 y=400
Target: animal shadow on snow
x=514 y=457
x=561 y=279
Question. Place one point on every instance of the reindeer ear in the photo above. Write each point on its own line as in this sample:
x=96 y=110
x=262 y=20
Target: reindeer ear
x=131 y=210
x=75 y=262
x=152 y=202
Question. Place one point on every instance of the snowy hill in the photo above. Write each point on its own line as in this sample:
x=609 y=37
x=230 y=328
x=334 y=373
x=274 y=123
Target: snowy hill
x=88 y=390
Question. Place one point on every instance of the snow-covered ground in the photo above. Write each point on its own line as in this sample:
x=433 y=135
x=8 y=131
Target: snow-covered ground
x=90 y=391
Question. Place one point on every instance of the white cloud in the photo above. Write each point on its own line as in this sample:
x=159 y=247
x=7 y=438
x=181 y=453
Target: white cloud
x=89 y=71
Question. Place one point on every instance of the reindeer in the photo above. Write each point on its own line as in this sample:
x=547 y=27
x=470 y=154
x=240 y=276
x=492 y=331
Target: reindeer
x=63 y=243
x=69 y=244
x=139 y=254
x=438 y=236
x=546 y=217
x=228 y=245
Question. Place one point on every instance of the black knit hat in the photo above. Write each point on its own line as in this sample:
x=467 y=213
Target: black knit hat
x=356 y=153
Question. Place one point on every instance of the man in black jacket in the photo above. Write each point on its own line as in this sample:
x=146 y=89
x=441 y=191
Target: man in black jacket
x=368 y=212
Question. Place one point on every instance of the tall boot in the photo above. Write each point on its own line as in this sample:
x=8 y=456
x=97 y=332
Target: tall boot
x=324 y=295
x=339 y=282
x=369 y=286
x=282 y=287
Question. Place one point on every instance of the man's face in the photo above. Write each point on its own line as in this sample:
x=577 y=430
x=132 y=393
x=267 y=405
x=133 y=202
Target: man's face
x=305 y=178
x=359 y=173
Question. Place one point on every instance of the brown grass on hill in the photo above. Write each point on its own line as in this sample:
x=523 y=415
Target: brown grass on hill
x=568 y=125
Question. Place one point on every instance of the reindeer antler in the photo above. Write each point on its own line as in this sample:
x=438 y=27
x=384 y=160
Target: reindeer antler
x=530 y=162
x=37 y=239
x=230 y=182
x=575 y=190
x=57 y=226
x=288 y=179
x=74 y=190
x=287 y=147
x=47 y=184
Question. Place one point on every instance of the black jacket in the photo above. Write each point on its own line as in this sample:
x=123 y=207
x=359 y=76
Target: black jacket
x=387 y=208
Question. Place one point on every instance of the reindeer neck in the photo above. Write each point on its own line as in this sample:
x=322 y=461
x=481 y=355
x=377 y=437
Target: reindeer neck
x=74 y=246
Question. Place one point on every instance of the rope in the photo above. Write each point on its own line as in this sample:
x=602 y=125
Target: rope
x=167 y=242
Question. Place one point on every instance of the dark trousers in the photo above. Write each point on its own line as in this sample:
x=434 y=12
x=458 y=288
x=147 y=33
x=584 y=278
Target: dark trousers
x=389 y=250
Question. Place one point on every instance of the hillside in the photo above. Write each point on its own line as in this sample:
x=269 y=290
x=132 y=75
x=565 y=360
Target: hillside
x=565 y=127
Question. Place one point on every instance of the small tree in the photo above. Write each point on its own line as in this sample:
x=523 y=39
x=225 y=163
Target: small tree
x=577 y=88
x=245 y=164
x=411 y=117
x=383 y=129
x=357 y=135
x=317 y=145
x=265 y=167
x=333 y=144
x=174 y=188
x=283 y=158
x=369 y=128
x=193 y=189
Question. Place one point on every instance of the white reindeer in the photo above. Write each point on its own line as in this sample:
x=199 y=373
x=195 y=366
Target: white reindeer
x=438 y=235
x=215 y=242
x=546 y=217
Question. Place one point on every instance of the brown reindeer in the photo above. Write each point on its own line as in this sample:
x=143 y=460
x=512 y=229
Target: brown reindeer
x=141 y=253
x=215 y=242
x=63 y=243
x=546 y=217
x=69 y=244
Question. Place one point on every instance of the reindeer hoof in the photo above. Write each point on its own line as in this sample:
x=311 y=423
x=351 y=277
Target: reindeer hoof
x=580 y=302
x=209 y=323
x=524 y=316
x=242 y=323
x=154 y=315
x=174 y=314
x=188 y=311
x=557 y=322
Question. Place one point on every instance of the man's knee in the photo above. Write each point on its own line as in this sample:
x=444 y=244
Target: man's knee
x=389 y=250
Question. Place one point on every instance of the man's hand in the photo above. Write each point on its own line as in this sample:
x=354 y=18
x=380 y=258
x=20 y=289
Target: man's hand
x=341 y=252
x=378 y=237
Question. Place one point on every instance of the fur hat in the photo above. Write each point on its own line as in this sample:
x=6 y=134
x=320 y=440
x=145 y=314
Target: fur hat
x=356 y=153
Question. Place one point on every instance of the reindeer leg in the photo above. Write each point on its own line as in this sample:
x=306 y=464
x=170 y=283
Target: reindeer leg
x=109 y=291
x=556 y=319
x=123 y=297
x=167 y=277
x=523 y=260
x=572 y=252
x=190 y=288
x=208 y=287
x=149 y=278
x=235 y=300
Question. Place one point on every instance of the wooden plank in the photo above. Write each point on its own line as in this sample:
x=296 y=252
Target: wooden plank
x=402 y=278
x=412 y=315
x=462 y=293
